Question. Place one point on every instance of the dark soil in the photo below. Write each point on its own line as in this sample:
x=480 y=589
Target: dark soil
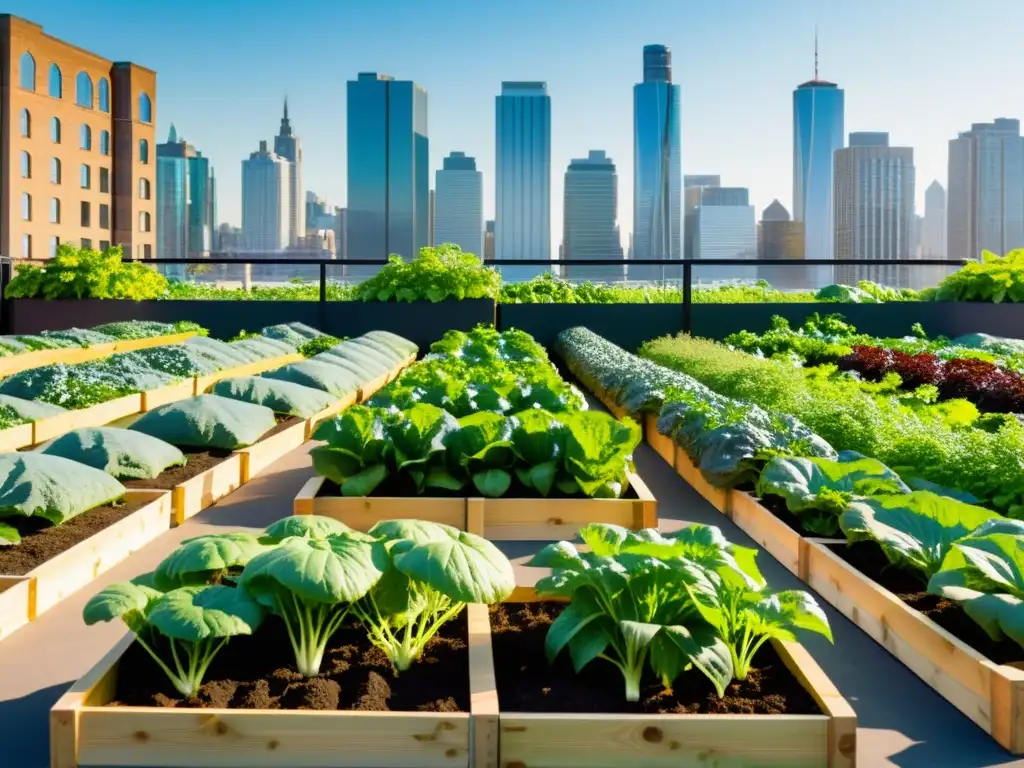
x=198 y=460
x=402 y=486
x=527 y=683
x=777 y=506
x=42 y=541
x=258 y=672
x=868 y=558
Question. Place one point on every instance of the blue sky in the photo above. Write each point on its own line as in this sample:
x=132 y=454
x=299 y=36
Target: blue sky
x=920 y=69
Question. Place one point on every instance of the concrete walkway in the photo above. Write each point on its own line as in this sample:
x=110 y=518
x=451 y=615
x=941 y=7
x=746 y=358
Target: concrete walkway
x=902 y=722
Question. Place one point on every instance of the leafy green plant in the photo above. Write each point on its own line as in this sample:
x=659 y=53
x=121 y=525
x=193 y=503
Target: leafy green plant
x=82 y=273
x=993 y=278
x=243 y=334
x=318 y=345
x=438 y=273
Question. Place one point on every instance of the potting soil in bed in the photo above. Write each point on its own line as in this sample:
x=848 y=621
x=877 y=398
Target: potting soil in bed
x=527 y=683
x=258 y=672
x=42 y=541
x=198 y=460
x=868 y=558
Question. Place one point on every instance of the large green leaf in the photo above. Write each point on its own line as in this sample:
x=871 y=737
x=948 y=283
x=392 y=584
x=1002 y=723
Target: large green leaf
x=538 y=438
x=338 y=569
x=353 y=456
x=676 y=647
x=599 y=452
x=482 y=441
x=574 y=619
x=417 y=531
x=196 y=613
x=304 y=526
x=418 y=437
x=916 y=529
x=558 y=554
x=463 y=566
x=197 y=558
x=117 y=601
x=779 y=613
x=9 y=535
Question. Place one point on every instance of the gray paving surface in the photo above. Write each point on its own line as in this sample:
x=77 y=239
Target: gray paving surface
x=902 y=722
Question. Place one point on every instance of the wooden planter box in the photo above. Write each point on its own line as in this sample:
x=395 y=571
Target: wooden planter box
x=93 y=416
x=27 y=597
x=262 y=454
x=171 y=393
x=494 y=519
x=330 y=412
x=84 y=732
x=662 y=444
x=130 y=345
x=203 y=383
x=992 y=695
x=565 y=740
x=205 y=489
x=717 y=497
x=13 y=438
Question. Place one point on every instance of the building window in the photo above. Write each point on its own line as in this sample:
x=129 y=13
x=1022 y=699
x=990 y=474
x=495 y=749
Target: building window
x=104 y=245
x=26 y=246
x=26 y=165
x=86 y=176
x=104 y=95
x=144 y=221
x=56 y=82
x=54 y=245
x=86 y=214
x=55 y=130
x=104 y=180
x=147 y=251
x=27 y=65
x=26 y=206
x=54 y=170
x=26 y=124
x=85 y=138
x=54 y=210
x=83 y=90
x=105 y=143
x=143 y=151
x=145 y=108
x=144 y=189
x=87 y=243
x=104 y=216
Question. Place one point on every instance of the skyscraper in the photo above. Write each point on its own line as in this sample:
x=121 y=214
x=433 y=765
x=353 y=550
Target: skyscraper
x=489 y=240
x=693 y=186
x=186 y=201
x=781 y=238
x=591 y=229
x=657 y=165
x=874 y=209
x=459 y=206
x=933 y=234
x=266 y=201
x=289 y=147
x=522 y=193
x=388 y=169
x=725 y=228
x=986 y=190
x=818 y=110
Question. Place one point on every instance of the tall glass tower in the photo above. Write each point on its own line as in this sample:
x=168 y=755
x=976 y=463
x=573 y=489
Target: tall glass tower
x=459 y=204
x=388 y=169
x=288 y=146
x=522 y=177
x=591 y=211
x=657 y=166
x=186 y=201
x=818 y=109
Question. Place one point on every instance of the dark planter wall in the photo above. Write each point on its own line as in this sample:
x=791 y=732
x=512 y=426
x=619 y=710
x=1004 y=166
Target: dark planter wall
x=421 y=322
x=628 y=325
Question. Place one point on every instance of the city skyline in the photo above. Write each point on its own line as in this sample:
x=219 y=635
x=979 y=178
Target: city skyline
x=736 y=117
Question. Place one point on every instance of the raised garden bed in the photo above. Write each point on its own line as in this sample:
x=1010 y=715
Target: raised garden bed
x=203 y=383
x=69 y=356
x=511 y=518
x=550 y=716
x=430 y=721
x=52 y=562
x=989 y=689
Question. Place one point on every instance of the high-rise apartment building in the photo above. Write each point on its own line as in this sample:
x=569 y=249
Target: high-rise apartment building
x=489 y=240
x=459 y=204
x=78 y=159
x=522 y=193
x=657 y=166
x=933 y=232
x=266 y=201
x=818 y=113
x=431 y=207
x=724 y=228
x=779 y=237
x=388 y=169
x=874 y=191
x=288 y=146
x=985 y=208
x=186 y=211
x=591 y=211
x=693 y=187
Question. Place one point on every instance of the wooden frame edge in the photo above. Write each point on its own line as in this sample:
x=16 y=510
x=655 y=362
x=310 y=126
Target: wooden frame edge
x=305 y=499
x=483 y=690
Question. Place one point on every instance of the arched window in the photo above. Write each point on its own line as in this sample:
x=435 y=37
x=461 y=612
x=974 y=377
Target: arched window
x=83 y=90
x=54 y=170
x=56 y=82
x=105 y=142
x=143 y=151
x=104 y=95
x=145 y=108
x=144 y=221
x=26 y=246
x=85 y=139
x=144 y=189
x=54 y=210
x=55 y=130
x=54 y=245
x=26 y=206
x=26 y=123
x=27 y=75
x=26 y=165
x=86 y=176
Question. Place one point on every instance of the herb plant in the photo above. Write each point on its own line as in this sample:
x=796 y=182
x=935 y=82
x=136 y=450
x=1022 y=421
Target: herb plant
x=82 y=273
x=438 y=273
